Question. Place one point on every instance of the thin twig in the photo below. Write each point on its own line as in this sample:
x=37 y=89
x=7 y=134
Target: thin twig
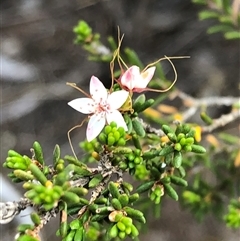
x=207 y=101
x=149 y=129
x=222 y=121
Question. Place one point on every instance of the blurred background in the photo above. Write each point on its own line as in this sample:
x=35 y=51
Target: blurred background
x=38 y=57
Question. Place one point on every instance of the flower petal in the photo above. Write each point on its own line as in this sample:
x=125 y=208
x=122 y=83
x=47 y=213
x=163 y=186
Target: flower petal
x=117 y=99
x=95 y=125
x=117 y=117
x=130 y=77
x=146 y=76
x=83 y=105
x=97 y=90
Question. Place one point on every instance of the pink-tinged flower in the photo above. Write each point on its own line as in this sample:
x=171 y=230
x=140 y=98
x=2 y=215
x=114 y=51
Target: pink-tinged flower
x=136 y=81
x=102 y=105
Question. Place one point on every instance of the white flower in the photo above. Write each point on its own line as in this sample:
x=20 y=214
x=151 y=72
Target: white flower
x=102 y=105
x=136 y=81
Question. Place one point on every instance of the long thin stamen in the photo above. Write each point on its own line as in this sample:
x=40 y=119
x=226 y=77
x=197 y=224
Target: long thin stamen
x=115 y=54
x=174 y=69
x=175 y=79
x=69 y=137
x=79 y=89
x=165 y=57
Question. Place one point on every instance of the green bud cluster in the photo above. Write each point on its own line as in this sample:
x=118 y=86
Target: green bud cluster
x=113 y=136
x=26 y=237
x=114 y=189
x=42 y=195
x=74 y=231
x=25 y=233
x=141 y=172
x=89 y=146
x=182 y=139
x=232 y=218
x=92 y=233
x=123 y=226
x=155 y=194
x=123 y=220
x=83 y=32
x=134 y=159
x=17 y=161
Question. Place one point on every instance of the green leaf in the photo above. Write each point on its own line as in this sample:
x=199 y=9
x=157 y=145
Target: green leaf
x=82 y=171
x=232 y=35
x=121 y=226
x=178 y=181
x=38 y=152
x=226 y=5
x=206 y=118
x=177 y=159
x=167 y=129
x=219 y=28
x=26 y=237
x=124 y=199
x=199 y=1
x=166 y=150
x=172 y=137
x=138 y=128
x=206 y=14
x=74 y=161
x=23 y=227
x=128 y=187
x=182 y=171
x=146 y=105
x=113 y=189
x=136 y=142
x=75 y=224
x=219 y=3
x=38 y=174
x=134 y=231
x=150 y=154
x=35 y=218
x=226 y=19
x=70 y=197
x=70 y=236
x=198 y=149
x=128 y=121
x=133 y=58
x=133 y=197
x=145 y=186
x=112 y=43
x=122 y=150
x=116 y=204
x=113 y=232
x=104 y=210
x=95 y=181
x=80 y=191
x=135 y=214
x=139 y=102
x=170 y=191
x=79 y=234
x=56 y=154
x=98 y=217
x=25 y=176
x=231 y=139
x=12 y=153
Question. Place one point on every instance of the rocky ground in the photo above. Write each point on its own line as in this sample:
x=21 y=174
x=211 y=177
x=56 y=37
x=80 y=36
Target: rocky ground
x=38 y=57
